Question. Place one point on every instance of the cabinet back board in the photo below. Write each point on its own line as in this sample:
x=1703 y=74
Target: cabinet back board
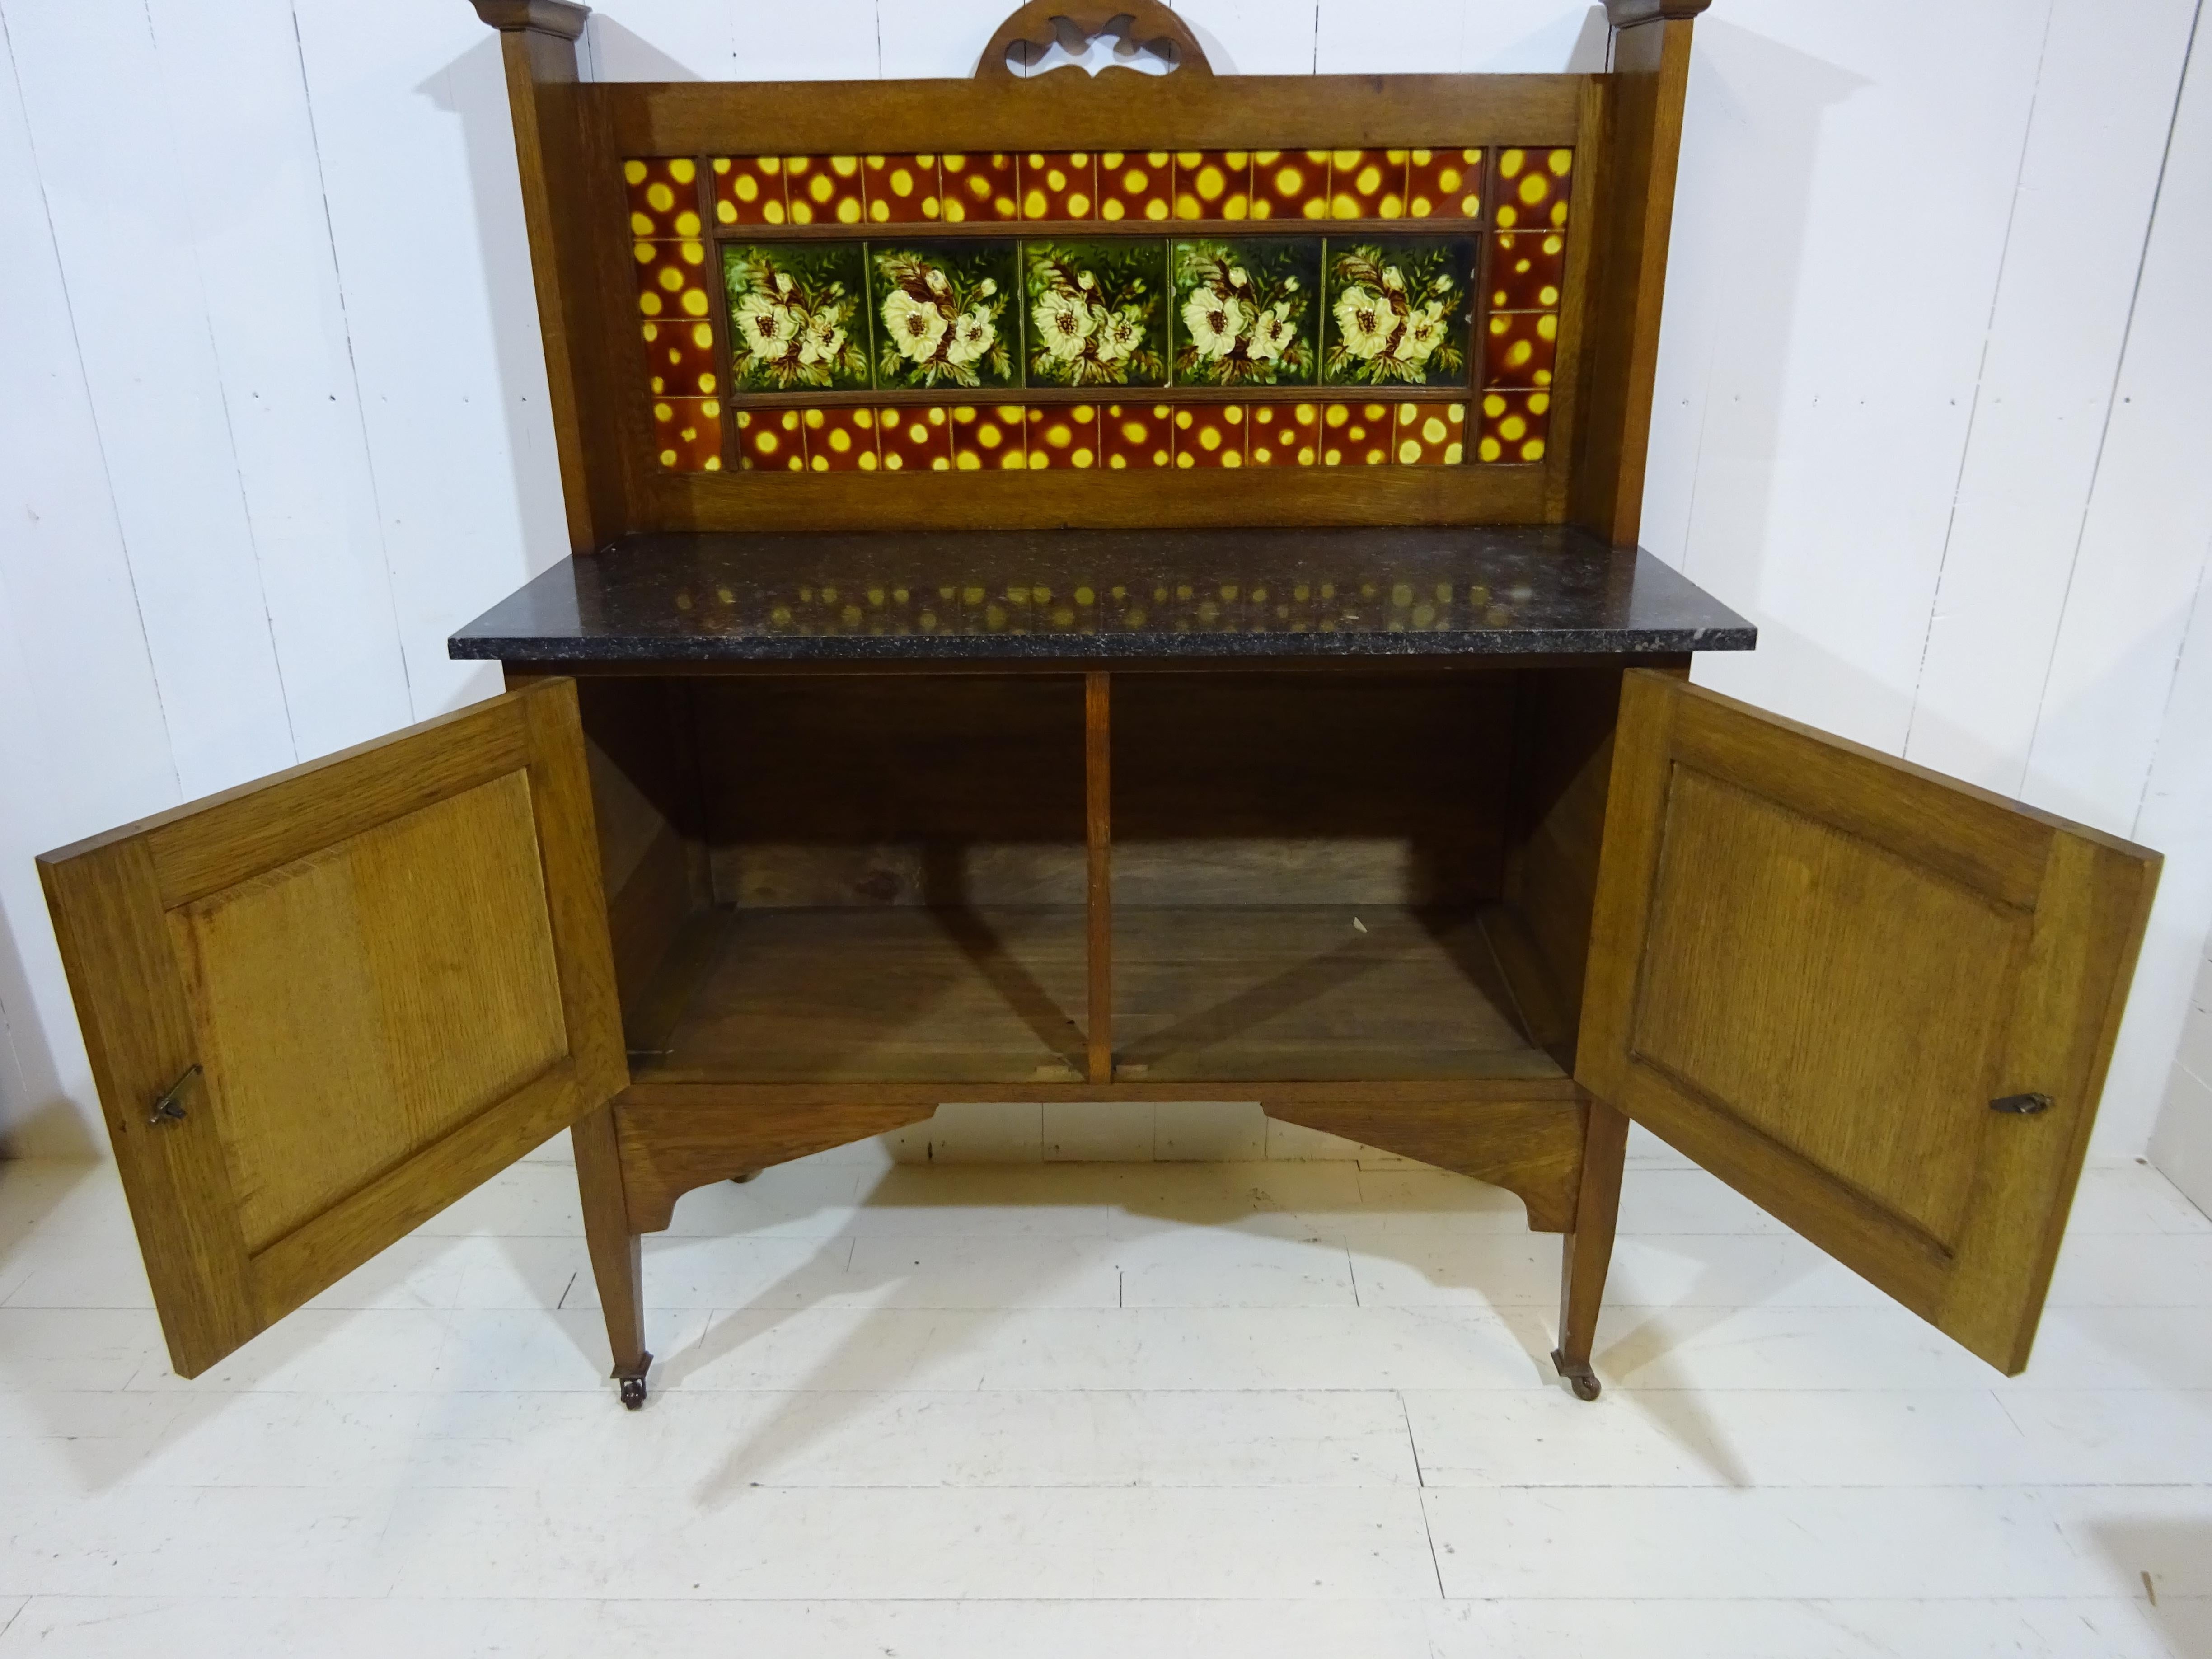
x=1091 y=301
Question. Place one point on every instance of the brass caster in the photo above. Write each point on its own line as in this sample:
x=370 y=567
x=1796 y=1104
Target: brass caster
x=1580 y=1377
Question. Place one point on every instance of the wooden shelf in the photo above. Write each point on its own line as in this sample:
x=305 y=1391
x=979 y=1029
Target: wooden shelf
x=909 y=994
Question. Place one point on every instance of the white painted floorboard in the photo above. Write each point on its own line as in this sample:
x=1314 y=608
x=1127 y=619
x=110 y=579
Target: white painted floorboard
x=1283 y=1409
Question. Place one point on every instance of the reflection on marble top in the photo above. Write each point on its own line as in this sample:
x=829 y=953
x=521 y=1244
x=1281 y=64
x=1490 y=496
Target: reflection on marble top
x=1098 y=594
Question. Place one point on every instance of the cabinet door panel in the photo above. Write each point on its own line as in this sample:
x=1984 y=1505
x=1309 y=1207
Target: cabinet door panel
x=1813 y=970
x=365 y=985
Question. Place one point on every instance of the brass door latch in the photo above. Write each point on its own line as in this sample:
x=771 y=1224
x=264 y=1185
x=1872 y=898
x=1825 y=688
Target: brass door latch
x=168 y=1109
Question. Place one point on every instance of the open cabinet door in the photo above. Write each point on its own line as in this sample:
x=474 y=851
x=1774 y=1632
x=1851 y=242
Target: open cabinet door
x=1877 y=1002
x=323 y=1006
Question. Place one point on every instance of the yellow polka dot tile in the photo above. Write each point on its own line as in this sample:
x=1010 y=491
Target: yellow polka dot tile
x=1210 y=434
x=664 y=197
x=1289 y=184
x=1428 y=434
x=980 y=186
x=772 y=439
x=681 y=360
x=1059 y=184
x=1356 y=434
x=749 y=190
x=1512 y=426
x=1367 y=183
x=902 y=190
x=1531 y=189
x=1283 y=434
x=1063 y=435
x=687 y=433
x=1527 y=270
x=989 y=437
x=1519 y=348
x=839 y=439
x=914 y=440
x=672 y=281
x=824 y=190
x=1137 y=435
x=1444 y=184
x=1136 y=186
x=1214 y=184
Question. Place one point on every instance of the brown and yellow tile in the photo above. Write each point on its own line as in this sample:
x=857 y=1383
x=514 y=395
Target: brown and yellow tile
x=1512 y=425
x=1356 y=434
x=1527 y=270
x=1289 y=184
x=687 y=433
x=1367 y=183
x=681 y=359
x=1532 y=189
x=1444 y=184
x=989 y=436
x=839 y=439
x=1519 y=346
x=902 y=190
x=1059 y=184
x=671 y=280
x=772 y=439
x=1429 y=435
x=664 y=196
x=749 y=190
x=1136 y=186
x=980 y=186
x=914 y=439
x=1137 y=435
x=1063 y=434
x=824 y=190
x=1210 y=434
x=1283 y=434
x=1214 y=184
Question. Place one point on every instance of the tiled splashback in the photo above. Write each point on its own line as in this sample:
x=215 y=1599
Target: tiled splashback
x=749 y=295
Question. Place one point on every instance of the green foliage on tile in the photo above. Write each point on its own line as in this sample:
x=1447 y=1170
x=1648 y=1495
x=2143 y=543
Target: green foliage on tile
x=1247 y=313
x=1397 y=311
x=943 y=315
x=1098 y=313
x=795 y=316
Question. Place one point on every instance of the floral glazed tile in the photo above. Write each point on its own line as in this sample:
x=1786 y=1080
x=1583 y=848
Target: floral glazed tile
x=944 y=314
x=664 y=196
x=680 y=358
x=1214 y=184
x=1513 y=426
x=1532 y=187
x=1367 y=183
x=1137 y=435
x=978 y=187
x=1210 y=434
x=1397 y=311
x=902 y=190
x=989 y=435
x=1444 y=184
x=687 y=433
x=1059 y=184
x=671 y=280
x=911 y=440
x=1429 y=435
x=1355 y=434
x=1063 y=434
x=1289 y=184
x=1519 y=348
x=824 y=190
x=1526 y=270
x=839 y=439
x=1135 y=185
x=1246 y=312
x=771 y=440
x=749 y=190
x=1283 y=434
x=798 y=315
x=1098 y=313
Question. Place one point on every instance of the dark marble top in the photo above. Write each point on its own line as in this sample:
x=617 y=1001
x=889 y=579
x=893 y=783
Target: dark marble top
x=1097 y=594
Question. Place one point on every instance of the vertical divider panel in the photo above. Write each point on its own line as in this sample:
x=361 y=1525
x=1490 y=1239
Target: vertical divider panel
x=1098 y=833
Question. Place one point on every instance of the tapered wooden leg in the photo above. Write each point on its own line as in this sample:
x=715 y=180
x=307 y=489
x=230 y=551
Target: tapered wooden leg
x=1587 y=1252
x=618 y=1263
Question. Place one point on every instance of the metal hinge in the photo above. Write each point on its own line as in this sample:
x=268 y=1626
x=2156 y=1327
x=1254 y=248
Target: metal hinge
x=2021 y=1105
x=168 y=1109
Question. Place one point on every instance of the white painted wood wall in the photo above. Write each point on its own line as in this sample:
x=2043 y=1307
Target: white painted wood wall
x=1934 y=403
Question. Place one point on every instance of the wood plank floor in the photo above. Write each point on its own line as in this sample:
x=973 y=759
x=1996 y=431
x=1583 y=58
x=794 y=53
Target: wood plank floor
x=1290 y=1409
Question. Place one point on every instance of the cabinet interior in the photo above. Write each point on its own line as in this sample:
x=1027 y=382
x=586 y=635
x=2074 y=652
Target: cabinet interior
x=1362 y=875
